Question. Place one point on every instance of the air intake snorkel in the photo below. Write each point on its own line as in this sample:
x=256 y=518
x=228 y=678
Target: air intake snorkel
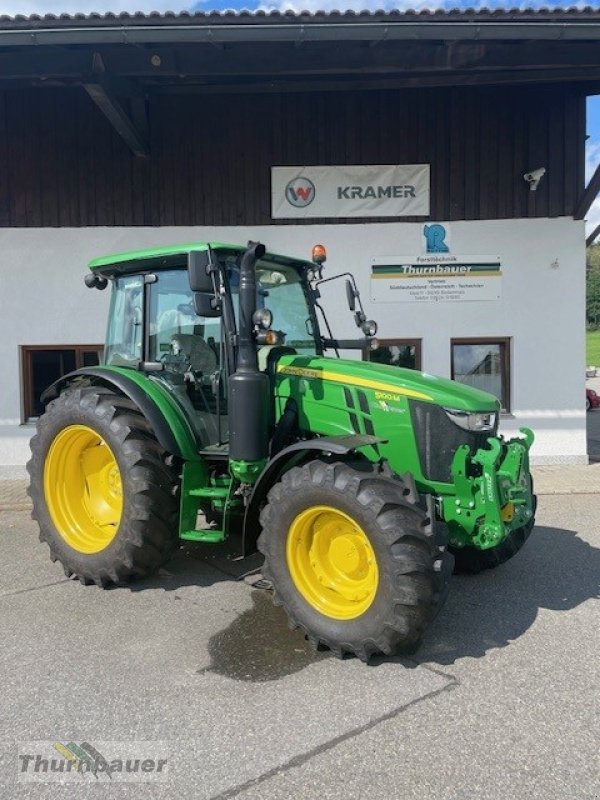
x=247 y=359
x=249 y=394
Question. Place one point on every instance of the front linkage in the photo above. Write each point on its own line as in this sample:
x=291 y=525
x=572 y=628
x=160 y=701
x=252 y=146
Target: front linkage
x=493 y=493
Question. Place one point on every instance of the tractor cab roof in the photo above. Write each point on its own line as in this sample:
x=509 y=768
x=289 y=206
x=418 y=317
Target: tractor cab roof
x=176 y=256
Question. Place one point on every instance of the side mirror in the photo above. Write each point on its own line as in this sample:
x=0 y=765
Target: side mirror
x=350 y=295
x=206 y=305
x=200 y=265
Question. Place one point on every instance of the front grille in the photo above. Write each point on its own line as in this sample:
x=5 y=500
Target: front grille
x=438 y=439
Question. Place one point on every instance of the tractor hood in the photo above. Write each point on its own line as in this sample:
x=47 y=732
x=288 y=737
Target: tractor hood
x=391 y=383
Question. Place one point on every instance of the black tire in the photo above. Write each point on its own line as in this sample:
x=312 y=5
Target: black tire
x=471 y=560
x=413 y=568
x=147 y=531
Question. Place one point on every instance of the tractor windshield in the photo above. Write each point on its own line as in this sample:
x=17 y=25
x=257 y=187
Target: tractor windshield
x=280 y=288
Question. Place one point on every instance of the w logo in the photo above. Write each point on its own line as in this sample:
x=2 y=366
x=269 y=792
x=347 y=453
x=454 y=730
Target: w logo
x=300 y=192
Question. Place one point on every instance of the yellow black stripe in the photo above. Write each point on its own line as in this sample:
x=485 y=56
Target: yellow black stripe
x=352 y=380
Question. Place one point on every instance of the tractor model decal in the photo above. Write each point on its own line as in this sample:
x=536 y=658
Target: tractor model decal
x=353 y=380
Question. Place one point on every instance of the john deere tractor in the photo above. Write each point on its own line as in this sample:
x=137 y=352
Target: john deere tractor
x=217 y=417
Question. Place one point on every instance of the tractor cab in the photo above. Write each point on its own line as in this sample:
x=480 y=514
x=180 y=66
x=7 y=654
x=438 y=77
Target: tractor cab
x=187 y=340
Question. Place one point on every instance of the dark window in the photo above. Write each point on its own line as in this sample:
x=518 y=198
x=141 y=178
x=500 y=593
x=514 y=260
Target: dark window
x=44 y=364
x=397 y=352
x=484 y=364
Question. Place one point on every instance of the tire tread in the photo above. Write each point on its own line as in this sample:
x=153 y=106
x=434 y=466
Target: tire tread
x=412 y=550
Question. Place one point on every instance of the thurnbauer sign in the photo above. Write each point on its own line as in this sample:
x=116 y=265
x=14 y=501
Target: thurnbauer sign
x=435 y=278
x=400 y=190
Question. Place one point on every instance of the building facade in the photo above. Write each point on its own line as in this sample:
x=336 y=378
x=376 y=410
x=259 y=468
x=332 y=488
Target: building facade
x=105 y=150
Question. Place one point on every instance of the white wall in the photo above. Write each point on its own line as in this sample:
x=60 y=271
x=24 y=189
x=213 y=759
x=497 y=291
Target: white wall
x=43 y=301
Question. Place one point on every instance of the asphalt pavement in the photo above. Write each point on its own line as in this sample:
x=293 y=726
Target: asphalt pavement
x=502 y=700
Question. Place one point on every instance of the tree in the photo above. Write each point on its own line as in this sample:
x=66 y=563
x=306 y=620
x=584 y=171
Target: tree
x=593 y=286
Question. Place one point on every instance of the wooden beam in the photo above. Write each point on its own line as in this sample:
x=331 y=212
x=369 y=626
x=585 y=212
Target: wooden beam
x=593 y=236
x=112 y=109
x=162 y=61
x=340 y=83
x=589 y=195
x=139 y=115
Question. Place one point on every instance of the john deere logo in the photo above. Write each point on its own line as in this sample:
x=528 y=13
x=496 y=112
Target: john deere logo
x=300 y=192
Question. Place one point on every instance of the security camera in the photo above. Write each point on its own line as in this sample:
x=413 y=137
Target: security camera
x=534 y=177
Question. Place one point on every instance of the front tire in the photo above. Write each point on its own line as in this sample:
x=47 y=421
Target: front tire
x=103 y=491
x=352 y=561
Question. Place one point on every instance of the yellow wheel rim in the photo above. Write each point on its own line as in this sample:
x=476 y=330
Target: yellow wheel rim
x=82 y=487
x=331 y=562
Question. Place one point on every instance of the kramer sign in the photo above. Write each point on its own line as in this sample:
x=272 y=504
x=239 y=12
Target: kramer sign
x=435 y=278
x=400 y=190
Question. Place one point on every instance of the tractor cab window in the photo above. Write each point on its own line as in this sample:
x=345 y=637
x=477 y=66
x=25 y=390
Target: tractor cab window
x=177 y=334
x=125 y=329
x=189 y=347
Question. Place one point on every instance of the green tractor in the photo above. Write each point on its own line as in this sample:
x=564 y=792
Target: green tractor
x=215 y=416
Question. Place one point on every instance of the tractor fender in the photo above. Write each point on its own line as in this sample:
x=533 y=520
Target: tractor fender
x=285 y=460
x=171 y=428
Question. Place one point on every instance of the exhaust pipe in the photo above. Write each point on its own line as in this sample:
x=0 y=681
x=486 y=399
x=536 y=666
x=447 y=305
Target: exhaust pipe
x=249 y=389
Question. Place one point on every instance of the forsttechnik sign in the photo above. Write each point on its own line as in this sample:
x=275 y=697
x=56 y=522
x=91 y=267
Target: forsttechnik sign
x=393 y=190
x=435 y=278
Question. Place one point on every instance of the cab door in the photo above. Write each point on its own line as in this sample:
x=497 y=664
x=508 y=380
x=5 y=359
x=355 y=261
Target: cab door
x=191 y=351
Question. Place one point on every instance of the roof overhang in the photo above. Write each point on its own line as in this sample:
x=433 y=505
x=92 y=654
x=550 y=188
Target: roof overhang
x=244 y=52
x=298 y=32
x=229 y=27
x=120 y=60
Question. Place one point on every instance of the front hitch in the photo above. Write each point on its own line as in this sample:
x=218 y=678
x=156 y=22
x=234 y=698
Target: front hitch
x=493 y=494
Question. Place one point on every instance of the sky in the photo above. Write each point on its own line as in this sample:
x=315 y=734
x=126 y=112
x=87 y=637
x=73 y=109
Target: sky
x=12 y=7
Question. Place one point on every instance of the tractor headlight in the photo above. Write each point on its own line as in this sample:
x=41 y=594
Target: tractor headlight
x=369 y=327
x=478 y=421
x=262 y=318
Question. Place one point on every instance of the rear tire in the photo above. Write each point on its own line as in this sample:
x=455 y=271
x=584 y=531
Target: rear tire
x=363 y=609
x=103 y=491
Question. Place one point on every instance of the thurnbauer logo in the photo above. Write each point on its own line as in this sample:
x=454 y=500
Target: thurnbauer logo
x=300 y=192
x=85 y=760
